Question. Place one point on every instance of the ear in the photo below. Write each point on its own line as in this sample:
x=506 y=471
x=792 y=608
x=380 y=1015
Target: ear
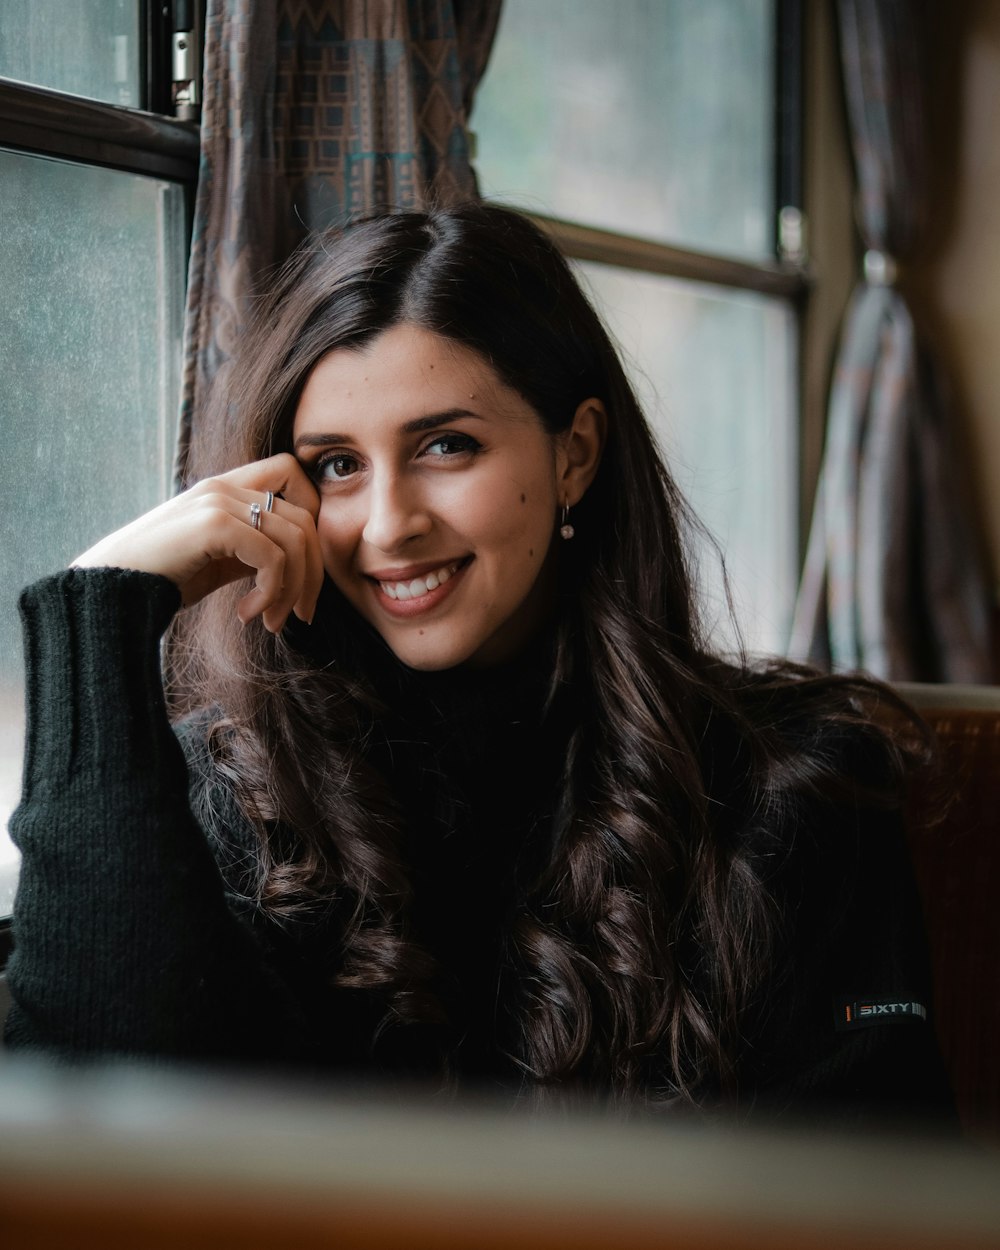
x=578 y=452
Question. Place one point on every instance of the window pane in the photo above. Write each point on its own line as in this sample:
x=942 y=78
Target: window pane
x=88 y=47
x=715 y=371
x=650 y=117
x=92 y=274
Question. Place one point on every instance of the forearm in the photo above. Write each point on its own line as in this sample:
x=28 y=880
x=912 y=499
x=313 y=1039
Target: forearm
x=123 y=940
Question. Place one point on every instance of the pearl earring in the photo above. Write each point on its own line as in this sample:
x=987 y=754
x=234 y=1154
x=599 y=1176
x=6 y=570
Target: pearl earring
x=566 y=530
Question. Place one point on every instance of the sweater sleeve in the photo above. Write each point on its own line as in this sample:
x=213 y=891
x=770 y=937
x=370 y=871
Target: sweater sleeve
x=123 y=940
x=850 y=1036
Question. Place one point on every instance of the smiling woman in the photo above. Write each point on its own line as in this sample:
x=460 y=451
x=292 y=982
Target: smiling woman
x=454 y=786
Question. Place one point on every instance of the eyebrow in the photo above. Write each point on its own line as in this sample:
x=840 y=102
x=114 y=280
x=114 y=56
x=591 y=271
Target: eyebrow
x=419 y=425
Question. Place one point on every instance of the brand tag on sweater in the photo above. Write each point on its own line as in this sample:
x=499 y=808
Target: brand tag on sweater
x=859 y=1013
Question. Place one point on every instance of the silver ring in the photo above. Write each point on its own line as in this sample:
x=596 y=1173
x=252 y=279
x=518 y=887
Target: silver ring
x=269 y=501
x=255 y=515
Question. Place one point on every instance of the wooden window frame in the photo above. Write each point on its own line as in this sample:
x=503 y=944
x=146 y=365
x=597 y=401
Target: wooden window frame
x=44 y=122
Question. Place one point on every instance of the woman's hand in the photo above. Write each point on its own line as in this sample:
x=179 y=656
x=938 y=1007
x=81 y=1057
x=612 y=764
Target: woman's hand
x=204 y=539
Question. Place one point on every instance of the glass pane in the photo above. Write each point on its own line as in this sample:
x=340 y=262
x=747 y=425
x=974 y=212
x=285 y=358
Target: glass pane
x=715 y=371
x=92 y=274
x=87 y=47
x=649 y=117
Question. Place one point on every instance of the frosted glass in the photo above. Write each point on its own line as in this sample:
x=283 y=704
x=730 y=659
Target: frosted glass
x=649 y=117
x=715 y=371
x=92 y=273
x=87 y=47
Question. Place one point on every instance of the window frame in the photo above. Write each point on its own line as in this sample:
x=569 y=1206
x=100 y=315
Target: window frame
x=42 y=121
x=787 y=275
x=45 y=122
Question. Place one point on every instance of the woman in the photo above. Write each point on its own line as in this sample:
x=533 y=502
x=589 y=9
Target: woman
x=461 y=791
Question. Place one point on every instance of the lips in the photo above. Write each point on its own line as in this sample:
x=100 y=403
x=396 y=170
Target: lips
x=408 y=591
x=416 y=587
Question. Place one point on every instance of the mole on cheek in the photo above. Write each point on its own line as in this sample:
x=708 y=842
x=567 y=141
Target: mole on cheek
x=524 y=499
x=531 y=552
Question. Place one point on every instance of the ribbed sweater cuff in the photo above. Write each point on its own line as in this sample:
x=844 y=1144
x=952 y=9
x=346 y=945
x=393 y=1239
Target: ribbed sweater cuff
x=94 y=691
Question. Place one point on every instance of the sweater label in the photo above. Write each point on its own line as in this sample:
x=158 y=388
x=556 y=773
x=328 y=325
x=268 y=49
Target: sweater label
x=859 y=1013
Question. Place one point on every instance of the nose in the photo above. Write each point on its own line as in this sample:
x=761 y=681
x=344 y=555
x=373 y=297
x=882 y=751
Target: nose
x=396 y=513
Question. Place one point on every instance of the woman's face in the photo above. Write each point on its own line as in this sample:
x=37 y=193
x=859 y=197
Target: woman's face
x=439 y=496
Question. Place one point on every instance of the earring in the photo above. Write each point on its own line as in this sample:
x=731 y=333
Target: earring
x=566 y=530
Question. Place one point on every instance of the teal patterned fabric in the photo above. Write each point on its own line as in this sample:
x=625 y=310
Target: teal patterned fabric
x=895 y=579
x=317 y=112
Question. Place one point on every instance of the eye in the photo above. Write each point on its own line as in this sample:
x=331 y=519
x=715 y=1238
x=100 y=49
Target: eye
x=335 y=467
x=448 y=445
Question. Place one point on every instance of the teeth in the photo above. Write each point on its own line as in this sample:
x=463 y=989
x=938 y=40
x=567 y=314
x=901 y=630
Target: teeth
x=419 y=585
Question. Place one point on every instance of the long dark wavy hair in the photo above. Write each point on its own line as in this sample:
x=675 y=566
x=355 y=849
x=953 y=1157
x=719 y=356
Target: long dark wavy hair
x=649 y=931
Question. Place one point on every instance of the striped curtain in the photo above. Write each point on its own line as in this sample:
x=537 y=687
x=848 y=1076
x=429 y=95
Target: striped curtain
x=317 y=112
x=895 y=579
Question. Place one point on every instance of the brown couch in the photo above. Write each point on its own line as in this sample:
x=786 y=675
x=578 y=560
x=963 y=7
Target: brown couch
x=956 y=856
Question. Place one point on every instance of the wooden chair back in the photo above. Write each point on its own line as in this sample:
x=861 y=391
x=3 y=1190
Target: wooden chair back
x=956 y=860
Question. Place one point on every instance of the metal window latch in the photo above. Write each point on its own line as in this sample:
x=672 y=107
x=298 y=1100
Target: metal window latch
x=792 y=235
x=184 y=48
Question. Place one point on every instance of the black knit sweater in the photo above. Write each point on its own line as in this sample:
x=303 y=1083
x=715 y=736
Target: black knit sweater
x=134 y=934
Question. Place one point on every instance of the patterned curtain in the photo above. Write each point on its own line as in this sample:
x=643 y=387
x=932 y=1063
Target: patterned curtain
x=317 y=112
x=895 y=580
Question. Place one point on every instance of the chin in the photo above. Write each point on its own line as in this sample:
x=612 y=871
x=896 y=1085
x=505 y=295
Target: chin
x=429 y=658
x=428 y=664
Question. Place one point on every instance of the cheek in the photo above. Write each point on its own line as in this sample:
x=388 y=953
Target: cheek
x=333 y=527
x=517 y=523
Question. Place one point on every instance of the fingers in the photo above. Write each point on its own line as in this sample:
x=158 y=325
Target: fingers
x=281 y=474
x=295 y=499
x=284 y=552
x=279 y=545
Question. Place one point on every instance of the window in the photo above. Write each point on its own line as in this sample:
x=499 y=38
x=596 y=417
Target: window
x=94 y=216
x=657 y=140
x=90 y=49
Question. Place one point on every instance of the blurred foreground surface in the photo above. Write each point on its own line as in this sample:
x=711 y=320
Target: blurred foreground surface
x=130 y=1157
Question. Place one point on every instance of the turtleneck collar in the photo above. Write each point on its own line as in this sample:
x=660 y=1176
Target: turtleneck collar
x=456 y=699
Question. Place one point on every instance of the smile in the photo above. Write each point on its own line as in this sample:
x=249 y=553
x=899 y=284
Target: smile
x=416 y=590
x=417 y=587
